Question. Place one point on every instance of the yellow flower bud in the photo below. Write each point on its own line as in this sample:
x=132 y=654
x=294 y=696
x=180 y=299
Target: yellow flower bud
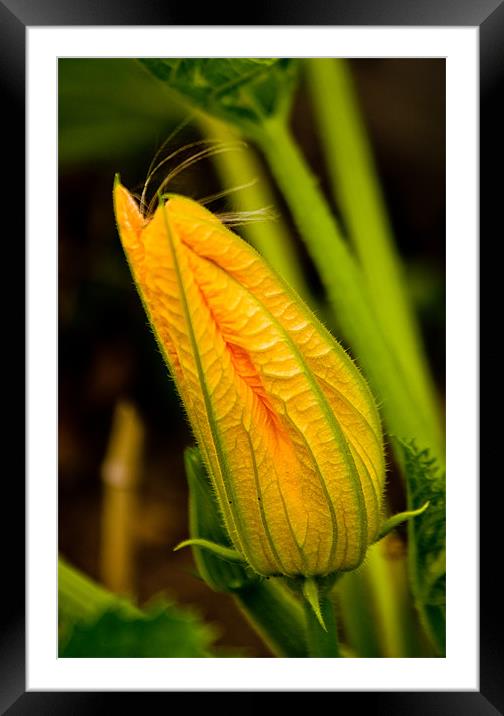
x=285 y=422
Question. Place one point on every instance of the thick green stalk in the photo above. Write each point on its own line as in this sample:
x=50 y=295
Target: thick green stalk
x=375 y=604
x=356 y=186
x=391 y=601
x=345 y=285
x=322 y=642
x=276 y=615
x=269 y=237
x=357 y=616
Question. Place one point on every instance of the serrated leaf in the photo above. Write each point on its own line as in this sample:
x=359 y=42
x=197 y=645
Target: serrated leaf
x=161 y=631
x=243 y=91
x=94 y=622
x=427 y=536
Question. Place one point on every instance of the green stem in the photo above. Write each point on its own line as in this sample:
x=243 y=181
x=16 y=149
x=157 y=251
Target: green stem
x=276 y=615
x=270 y=238
x=357 y=188
x=345 y=285
x=389 y=602
x=376 y=606
x=358 y=619
x=322 y=642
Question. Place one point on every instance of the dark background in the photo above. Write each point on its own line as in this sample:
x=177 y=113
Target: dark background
x=113 y=117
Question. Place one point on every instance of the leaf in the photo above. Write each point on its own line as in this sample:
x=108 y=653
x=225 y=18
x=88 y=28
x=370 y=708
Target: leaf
x=94 y=622
x=243 y=91
x=427 y=535
x=108 y=110
x=162 y=631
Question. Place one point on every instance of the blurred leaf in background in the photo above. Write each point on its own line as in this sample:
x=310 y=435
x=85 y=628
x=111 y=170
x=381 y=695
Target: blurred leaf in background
x=109 y=110
x=161 y=631
x=95 y=623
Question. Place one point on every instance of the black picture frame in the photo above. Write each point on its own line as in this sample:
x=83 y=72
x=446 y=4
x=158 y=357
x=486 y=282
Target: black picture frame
x=15 y=17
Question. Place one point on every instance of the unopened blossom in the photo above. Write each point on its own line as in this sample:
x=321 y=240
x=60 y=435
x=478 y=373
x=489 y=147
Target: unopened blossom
x=286 y=423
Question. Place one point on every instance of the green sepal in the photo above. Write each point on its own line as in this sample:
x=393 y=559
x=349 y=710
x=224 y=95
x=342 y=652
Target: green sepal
x=392 y=522
x=227 y=553
x=320 y=621
x=311 y=594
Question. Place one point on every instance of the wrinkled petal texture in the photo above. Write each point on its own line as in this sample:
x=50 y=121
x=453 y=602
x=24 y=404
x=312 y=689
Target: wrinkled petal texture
x=286 y=423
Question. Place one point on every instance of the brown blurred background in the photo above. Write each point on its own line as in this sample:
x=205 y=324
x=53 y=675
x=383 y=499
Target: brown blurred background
x=113 y=118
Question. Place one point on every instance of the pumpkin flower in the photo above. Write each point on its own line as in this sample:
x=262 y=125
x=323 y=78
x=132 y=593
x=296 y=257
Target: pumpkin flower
x=286 y=424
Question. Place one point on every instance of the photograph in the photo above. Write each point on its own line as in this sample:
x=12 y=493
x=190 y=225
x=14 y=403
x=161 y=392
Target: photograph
x=252 y=251
x=251 y=357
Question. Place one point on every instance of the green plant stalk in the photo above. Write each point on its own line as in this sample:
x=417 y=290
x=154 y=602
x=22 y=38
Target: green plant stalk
x=386 y=603
x=388 y=587
x=345 y=285
x=357 y=189
x=276 y=615
x=322 y=642
x=376 y=608
x=358 y=619
x=270 y=238
x=413 y=643
x=80 y=598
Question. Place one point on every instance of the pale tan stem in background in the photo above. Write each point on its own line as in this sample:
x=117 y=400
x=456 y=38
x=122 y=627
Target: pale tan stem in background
x=120 y=476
